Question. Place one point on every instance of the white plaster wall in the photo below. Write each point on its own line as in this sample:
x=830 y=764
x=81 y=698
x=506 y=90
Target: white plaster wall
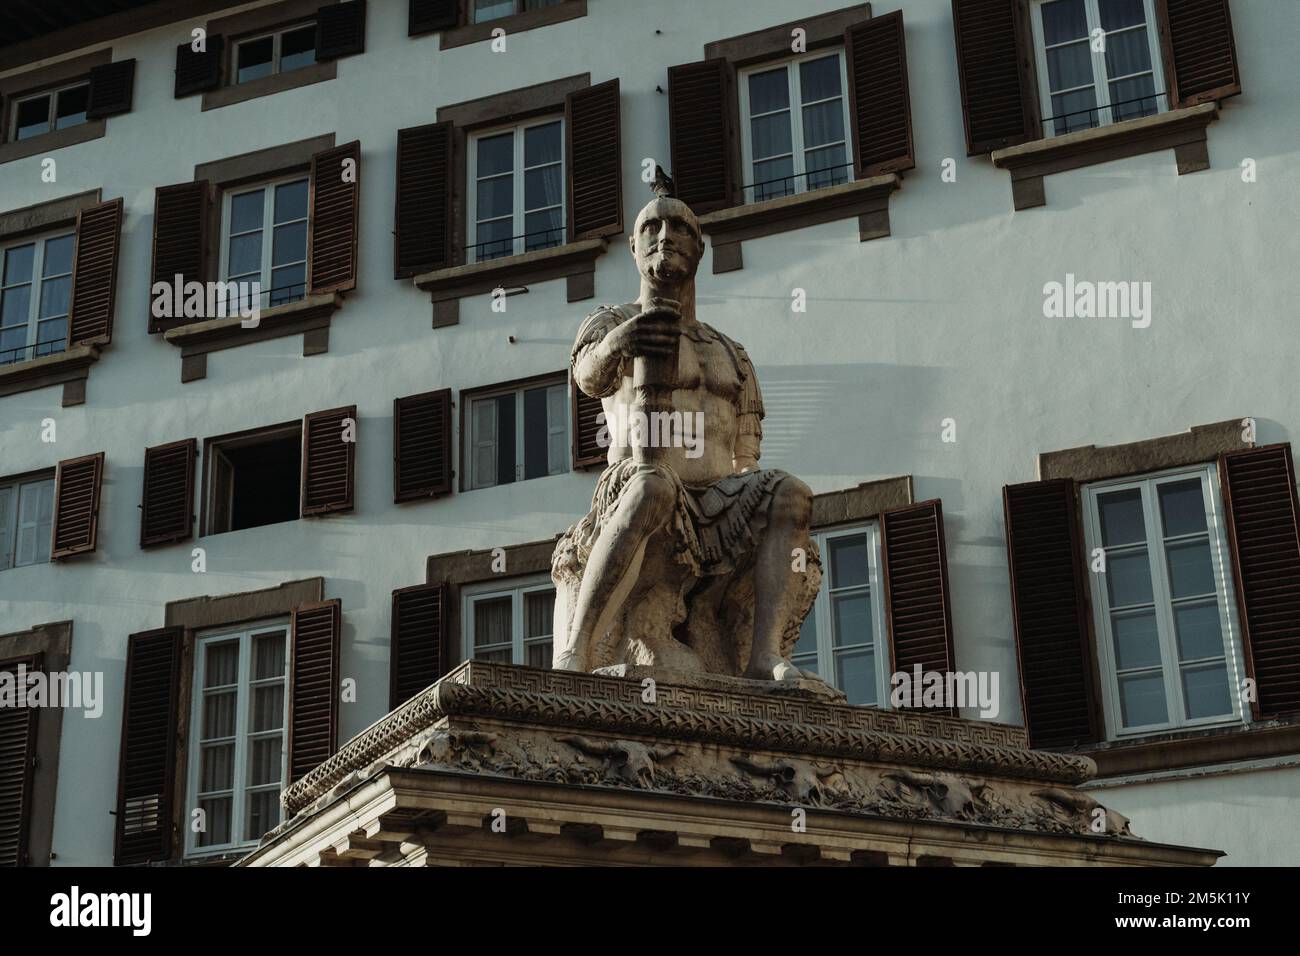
x=942 y=319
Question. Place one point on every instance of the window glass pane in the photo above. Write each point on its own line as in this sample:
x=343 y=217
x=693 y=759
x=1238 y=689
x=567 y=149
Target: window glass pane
x=18 y=264
x=1142 y=699
x=1069 y=66
x=826 y=167
x=54 y=296
x=268 y=656
x=819 y=79
x=539 y=610
x=1074 y=111
x=538 y=654
x=289 y=243
x=1127 y=53
x=538 y=4
x=557 y=400
x=852 y=618
x=268 y=708
x=1134 y=97
x=495 y=239
x=264 y=762
x=544 y=229
x=1121 y=517
x=1064 y=20
x=807 y=643
x=771 y=135
x=1137 y=642
x=1121 y=13
x=255 y=59
x=536 y=433
x=58 y=256
x=492 y=9
x=1128 y=579
x=15 y=308
x=542 y=144
x=768 y=92
x=496 y=198
x=8 y=496
x=245 y=255
x=542 y=187
x=263 y=813
x=51 y=336
x=290 y=202
x=288 y=284
x=217 y=768
x=848 y=559
x=298 y=49
x=35 y=513
x=219 y=715
x=1205 y=691
x=221 y=665
x=506 y=428
x=484 y=439
x=1191 y=571
x=1182 y=507
x=496 y=154
x=492 y=623
x=773 y=179
x=855 y=674
x=246 y=211
x=217 y=817
x=70 y=107
x=823 y=123
x=13 y=343
x=33 y=117
x=1199 y=633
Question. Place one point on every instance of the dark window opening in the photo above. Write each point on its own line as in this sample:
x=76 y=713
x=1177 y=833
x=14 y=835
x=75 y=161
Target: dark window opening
x=255 y=481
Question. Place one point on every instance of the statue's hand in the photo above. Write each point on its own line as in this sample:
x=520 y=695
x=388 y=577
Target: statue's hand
x=653 y=332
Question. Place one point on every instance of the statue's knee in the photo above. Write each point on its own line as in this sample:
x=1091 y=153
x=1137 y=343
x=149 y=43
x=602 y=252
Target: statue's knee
x=794 y=500
x=651 y=497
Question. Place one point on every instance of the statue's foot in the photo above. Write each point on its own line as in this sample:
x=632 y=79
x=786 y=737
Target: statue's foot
x=774 y=668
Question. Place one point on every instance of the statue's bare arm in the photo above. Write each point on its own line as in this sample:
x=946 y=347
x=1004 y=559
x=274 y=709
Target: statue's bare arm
x=606 y=342
x=749 y=421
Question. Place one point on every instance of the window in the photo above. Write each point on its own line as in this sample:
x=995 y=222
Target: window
x=278 y=52
x=485 y=10
x=1166 y=633
x=49 y=111
x=249 y=216
x=26 y=516
x=511 y=625
x=1082 y=87
x=237 y=745
x=254 y=480
x=35 y=289
x=519 y=434
x=790 y=149
x=516 y=199
x=843 y=635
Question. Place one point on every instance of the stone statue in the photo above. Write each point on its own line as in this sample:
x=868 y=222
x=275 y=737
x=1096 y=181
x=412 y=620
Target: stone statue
x=693 y=560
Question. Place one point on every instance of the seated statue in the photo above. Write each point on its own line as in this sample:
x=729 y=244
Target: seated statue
x=692 y=559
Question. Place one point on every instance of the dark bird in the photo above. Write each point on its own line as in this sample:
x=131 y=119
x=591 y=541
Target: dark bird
x=662 y=184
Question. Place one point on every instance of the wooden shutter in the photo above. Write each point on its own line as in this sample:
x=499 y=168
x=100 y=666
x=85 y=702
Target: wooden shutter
x=17 y=769
x=76 y=505
x=418 y=655
x=422 y=214
x=167 y=504
x=426 y=16
x=879 y=106
x=1199 y=50
x=341 y=30
x=997 y=101
x=313 y=686
x=595 y=185
x=147 y=761
x=199 y=72
x=1259 y=499
x=697 y=125
x=335 y=208
x=94 y=273
x=111 y=88
x=917 y=609
x=180 y=240
x=587 y=451
x=328 y=462
x=1049 y=607
x=422 y=445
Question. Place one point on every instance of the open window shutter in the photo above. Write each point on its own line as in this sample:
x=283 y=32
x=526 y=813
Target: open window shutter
x=111 y=88
x=697 y=126
x=17 y=768
x=426 y=16
x=94 y=273
x=1200 y=54
x=1049 y=606
x=593 y=137
x=418 y=655
x=1259 y=498
x=313 y=686
x=328 y=461
x=422 y=445
x=422 y=217
x=199 y=72
x=335 y=207
x=167 y=504
x=147 y=762
x=587 y=451
x=992 y=55
x=341 y=29
x=917 y=608
x=76 y=505
x=879 y=106
x=180 y=239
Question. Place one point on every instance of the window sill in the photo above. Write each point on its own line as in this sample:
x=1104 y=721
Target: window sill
x=48 y=142
x=1182 y=130
x=574 y=262
x=310 y=317
x=1173 y=750
x=69 y=369
x=868 y=199
x=516 y=23
x=267 y=85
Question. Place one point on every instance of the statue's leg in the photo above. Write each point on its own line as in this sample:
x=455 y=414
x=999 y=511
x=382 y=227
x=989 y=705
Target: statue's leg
x=776 y=583
x=644 y=507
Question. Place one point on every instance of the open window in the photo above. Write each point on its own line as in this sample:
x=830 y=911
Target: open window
x=516 y=433
x=278 y=51
x=254 y=479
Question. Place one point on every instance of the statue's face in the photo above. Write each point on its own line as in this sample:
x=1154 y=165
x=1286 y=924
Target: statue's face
x=667 y=242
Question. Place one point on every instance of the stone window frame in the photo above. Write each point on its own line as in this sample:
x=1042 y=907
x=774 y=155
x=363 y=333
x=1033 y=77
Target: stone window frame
x=253 y=23
x=470 y=32
x=469 y=395
x=54 y=643
x=44 y=79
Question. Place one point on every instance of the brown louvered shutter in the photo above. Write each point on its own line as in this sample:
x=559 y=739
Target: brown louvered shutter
x=1259 y=499
x=76 y=505
x=199 y=72
x=341 y=29
x=111 y=89
x=313 y=686
x=167 y=504
x=180 y=239
x=426 y=16
x=879 y=105
x=697 y=127
x=992 y=55
x=422 y=445
x=917 y=609
x=1199 y=50
x=1049 y=608
x=418 y=655
x=335 y=208
x=94 y=273
x=587 y=423
x=17 y=768
x=328 y=462
x=422 y=213
x=593 y=136
x=147 y=761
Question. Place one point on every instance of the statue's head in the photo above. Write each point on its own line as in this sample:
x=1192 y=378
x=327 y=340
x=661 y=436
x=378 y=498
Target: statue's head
x=666 y=242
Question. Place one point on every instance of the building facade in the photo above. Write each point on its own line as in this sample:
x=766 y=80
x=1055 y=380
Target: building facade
x=1011 y=273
